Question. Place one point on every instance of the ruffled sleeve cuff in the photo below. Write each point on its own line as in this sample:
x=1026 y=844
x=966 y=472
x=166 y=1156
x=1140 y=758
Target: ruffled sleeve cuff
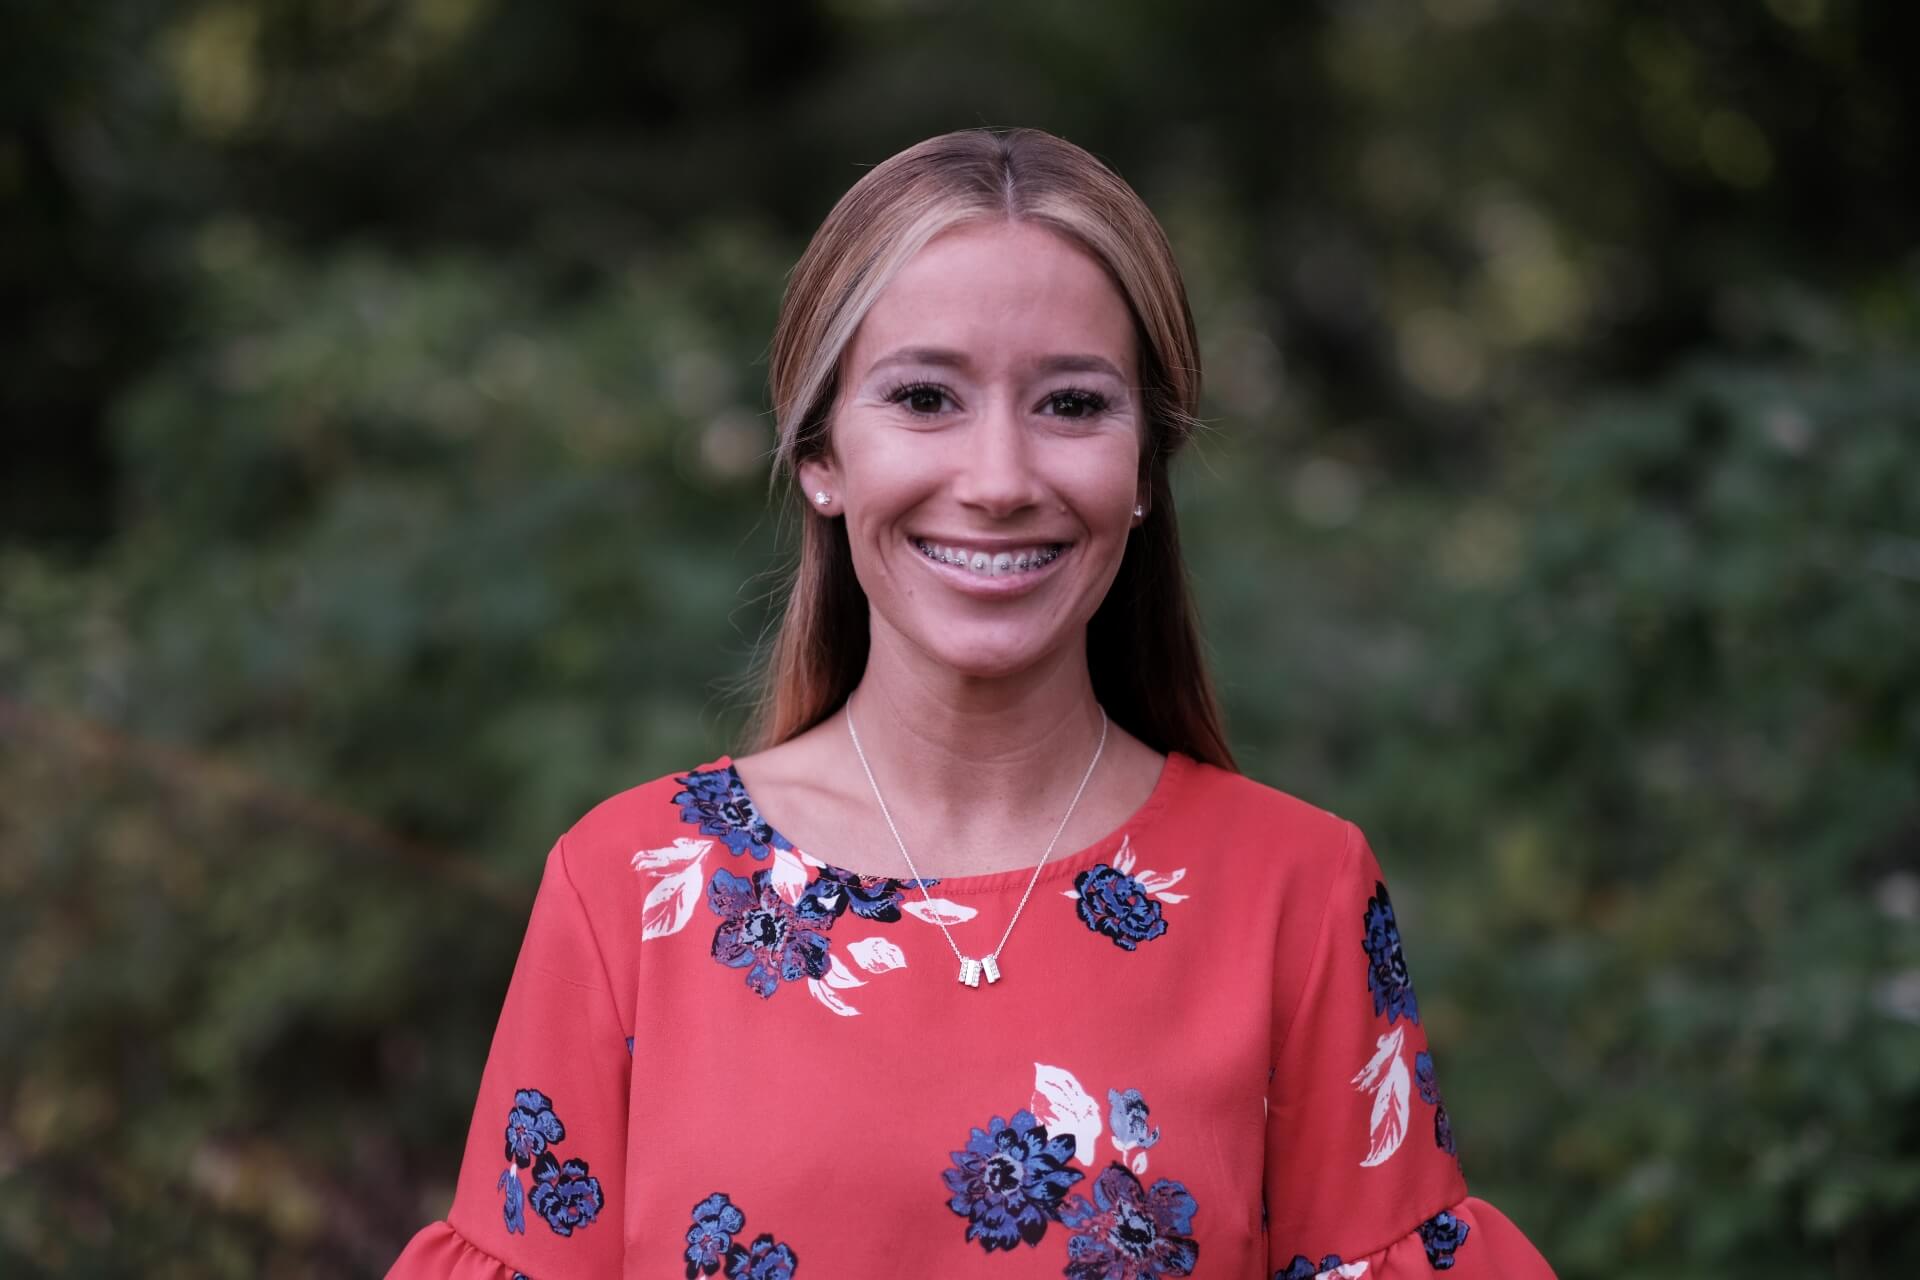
x=438 y=1252
x=1471 y=1239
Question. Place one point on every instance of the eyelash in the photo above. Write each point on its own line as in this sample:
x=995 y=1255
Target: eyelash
x=1092 y=403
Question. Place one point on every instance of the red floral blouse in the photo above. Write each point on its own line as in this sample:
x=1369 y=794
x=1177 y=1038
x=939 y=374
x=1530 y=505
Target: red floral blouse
x=721 y=1055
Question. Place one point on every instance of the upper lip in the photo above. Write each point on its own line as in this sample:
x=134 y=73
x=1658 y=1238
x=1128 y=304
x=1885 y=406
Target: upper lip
x=984 y=543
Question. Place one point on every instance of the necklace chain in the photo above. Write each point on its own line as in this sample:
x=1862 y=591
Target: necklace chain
x=970 y=969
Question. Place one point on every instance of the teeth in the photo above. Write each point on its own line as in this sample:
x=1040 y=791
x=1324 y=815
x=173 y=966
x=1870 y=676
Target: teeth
x=991 y=566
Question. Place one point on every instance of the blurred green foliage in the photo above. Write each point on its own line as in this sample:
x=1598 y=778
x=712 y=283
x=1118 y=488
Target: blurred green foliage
x=386 y=484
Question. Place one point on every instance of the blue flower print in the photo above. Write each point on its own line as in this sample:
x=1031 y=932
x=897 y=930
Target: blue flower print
x=514 y=1210
x=1009 y=1180
x=1442 y=1234
x=764 y=1259
x=1423 y=1078
x=1129 y=1232
x=1387 y=967
x=835 y=892
x=1127 y=1120
x=531 y=1126
x=1114 y=903
x=1430 y=1093
x=760 y=931
x=717 y=802
x=564 y=1194
x=710 y=1238
x=1301 y=1268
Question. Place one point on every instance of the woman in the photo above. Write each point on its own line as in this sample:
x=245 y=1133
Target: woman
x=988 y=963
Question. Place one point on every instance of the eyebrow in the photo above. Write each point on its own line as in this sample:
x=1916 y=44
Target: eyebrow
x=946 y=358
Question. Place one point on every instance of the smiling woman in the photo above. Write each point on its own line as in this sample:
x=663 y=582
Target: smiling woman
x=735 y=1041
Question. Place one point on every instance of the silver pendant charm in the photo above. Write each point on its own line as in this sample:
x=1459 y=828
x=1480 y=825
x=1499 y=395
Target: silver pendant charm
x=992 y=967
x=969 y=971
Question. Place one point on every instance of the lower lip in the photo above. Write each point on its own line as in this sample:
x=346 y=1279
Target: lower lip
x=984 y=586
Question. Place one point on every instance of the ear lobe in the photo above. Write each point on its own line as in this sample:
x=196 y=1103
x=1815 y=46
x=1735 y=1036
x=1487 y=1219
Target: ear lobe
x=816 y=475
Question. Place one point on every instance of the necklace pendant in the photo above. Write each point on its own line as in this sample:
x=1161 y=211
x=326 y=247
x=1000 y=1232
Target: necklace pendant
x=969 y=971
x=992 y=967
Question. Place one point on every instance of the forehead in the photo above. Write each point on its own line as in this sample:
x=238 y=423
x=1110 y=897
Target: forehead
x=1003 y=294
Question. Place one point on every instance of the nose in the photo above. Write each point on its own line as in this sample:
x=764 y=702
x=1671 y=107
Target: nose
x=996 y=473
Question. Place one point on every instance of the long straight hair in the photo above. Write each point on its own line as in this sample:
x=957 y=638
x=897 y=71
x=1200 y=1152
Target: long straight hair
x=1143 y=646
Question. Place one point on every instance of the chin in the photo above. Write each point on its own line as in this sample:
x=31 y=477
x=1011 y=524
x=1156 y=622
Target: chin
x=989 y=657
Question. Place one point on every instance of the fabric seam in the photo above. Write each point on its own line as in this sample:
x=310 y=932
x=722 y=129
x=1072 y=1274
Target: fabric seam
x=1278 y=1050
x=593 y=935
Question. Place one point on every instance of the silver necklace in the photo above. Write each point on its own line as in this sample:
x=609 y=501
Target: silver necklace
x=970 y=968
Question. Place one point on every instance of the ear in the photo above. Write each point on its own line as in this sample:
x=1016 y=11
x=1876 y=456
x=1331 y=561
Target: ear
x=818 y=475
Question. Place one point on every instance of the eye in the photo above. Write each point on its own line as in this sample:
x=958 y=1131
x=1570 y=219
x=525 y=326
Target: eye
x=1075 y=403
x=921 y=398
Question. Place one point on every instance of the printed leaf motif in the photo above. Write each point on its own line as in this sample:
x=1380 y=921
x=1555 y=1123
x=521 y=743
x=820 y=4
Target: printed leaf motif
x=1154 y=882
x=877 y=955
x=1138 y=1162
x=1064 y=1107
x=1387 y=1076
x=1348 y=1272
x=672 y=902
x=789 y=875
x=838 y=975
x=938 y=911
x=826 y=996
x=681 y=851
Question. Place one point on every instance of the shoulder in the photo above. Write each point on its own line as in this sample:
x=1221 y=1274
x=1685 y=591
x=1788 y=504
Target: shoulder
x=1242 y=806
x=1267 y=830
x=601 y=847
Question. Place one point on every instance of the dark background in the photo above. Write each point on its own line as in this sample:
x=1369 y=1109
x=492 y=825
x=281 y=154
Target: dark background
x=384 y=482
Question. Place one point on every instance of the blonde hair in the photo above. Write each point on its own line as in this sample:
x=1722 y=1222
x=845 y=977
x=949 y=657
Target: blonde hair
x=1142 y=645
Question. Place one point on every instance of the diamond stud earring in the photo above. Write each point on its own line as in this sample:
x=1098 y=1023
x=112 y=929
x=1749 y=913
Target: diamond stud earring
x=1139 y=511
x=821 y=497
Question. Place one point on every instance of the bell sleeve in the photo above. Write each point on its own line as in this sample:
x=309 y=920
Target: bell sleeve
x=539 y=1192
x=1361 y=1176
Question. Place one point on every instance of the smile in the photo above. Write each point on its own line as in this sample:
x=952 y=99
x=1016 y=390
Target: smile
x=997 y=564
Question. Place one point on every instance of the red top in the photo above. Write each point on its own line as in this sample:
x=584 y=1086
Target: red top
x=720 y=1055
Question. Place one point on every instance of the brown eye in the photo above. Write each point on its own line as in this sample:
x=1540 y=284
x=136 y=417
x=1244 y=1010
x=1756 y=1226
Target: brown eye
x=1076 y=404
x=920 y=398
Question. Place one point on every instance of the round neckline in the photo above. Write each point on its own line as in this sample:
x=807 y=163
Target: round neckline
x=1173 y=771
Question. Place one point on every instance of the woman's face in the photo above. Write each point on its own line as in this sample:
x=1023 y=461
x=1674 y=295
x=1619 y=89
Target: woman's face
x=985 y=447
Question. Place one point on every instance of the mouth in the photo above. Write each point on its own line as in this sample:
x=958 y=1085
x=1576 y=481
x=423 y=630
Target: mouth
x=1000 y=563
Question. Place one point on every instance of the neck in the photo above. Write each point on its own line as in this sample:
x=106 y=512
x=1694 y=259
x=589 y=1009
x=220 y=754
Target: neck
x=947 y=748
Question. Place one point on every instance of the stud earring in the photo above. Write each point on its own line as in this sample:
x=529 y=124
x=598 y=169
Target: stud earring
x=821 y=497
x=1139 y=511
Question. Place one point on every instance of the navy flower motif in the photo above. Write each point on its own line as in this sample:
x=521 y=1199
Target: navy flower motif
x=1429 y=1087
x=1114 y=903
x=565 y=1194
x=1009 y=1181
x=760 y=931
x=1423 y=1078
x=514 y=1210
x=764 y=1259
x=1442 y=1234
x=1127 y=1120
x=1301 y=1268
x=1387 y=966
x=717 y=802
x=531 y=1126
x=835 y=892
x=1129 y=1232
x=710 y=1238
